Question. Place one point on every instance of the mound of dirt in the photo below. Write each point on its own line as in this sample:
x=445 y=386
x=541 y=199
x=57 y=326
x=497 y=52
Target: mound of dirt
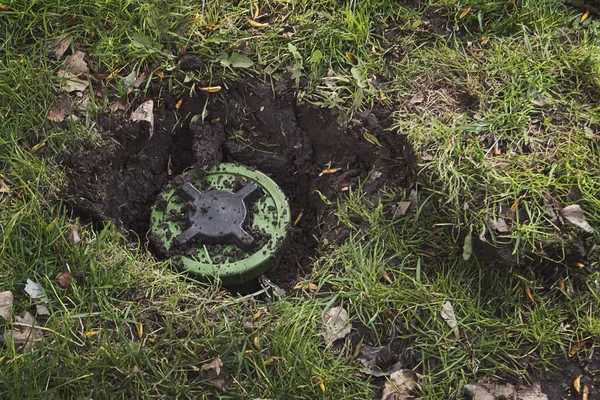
x=251 y=125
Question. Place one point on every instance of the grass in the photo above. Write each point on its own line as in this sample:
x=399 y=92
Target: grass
x=508 y=118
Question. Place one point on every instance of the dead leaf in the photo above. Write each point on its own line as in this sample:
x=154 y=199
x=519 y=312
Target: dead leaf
x=351 y=58
x=448 y=315
x=299 y=217
x=336 y=325
x=71 y=83
x=160 y=74
x=416 y=99
x=25 y=333
x=74 y=234
x=119 y=105
x=574 y=214
x=585 y=16
x=465 y=12
x=320 y=382
x=4 y=187
x=211 y=89
x=329 y=171
x=63 y=279
x=485 y=40
x=307 y=286
x=60 y=110
x=377 y=361
x=256 y=24
x=140 y=79
x=75 y=64
x=4 y=7
x=112 y=75
x=402 y=208
x=41 y=309
x=498 y=225
x=399 y=385
x=145 y=113
x=59 y=46
x=35 y=291
x=492 y=391
x=6 y=302
x=212 y=373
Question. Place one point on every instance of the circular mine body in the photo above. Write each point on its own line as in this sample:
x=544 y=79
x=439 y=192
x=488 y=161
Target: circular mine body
x=230 y=223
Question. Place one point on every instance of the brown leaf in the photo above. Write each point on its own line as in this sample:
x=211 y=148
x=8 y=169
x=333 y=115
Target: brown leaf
x=63 y=279
x=4 y=7
x=4 y=187
x=379 y=361
x=399 y=385
x=335 y=325
x=490 y=390
x=75 y=64
x=59 y=46
x=212 y=373
x=145 y=114
x=574 y=214
x=6 y=302
x=140 y=79
x=71 y=83
x=25 y=333
x=498 y=224
x=74 y=234
x=417 y=99
x=120 y=105
x=61 y=109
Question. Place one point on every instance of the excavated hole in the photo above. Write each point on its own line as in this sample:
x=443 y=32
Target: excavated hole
x=256 y=126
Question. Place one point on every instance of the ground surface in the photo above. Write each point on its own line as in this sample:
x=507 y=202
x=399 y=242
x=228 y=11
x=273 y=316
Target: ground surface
x=455 y=244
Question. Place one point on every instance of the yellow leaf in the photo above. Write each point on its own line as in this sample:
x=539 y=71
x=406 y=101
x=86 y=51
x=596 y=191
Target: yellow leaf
x=465 y=12
x=196 y=18
x=91 y=334
x=140 y=330
x=256 y=24
x=310 y=286
x=178 y=104
x=321 y=383
x=256 y=343
x=256 y=10
x=485 y=40
x=269 y=361
x=160 y=74
x=248 y=352
x=577 y=383
x=329 y=171
x=112 y=75
x=575 y=349
x=351 y=58
x=211 y=89
x=529 y=295
x=298 y=218
x=584 y=16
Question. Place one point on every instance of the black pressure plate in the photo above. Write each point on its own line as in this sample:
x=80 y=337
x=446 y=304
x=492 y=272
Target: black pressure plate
x=219 y=216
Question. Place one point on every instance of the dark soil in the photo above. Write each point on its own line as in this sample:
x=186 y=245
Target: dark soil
x=256 y=126
x=559 y=385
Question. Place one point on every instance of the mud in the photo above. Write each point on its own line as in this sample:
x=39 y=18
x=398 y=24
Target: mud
x=258 y=126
